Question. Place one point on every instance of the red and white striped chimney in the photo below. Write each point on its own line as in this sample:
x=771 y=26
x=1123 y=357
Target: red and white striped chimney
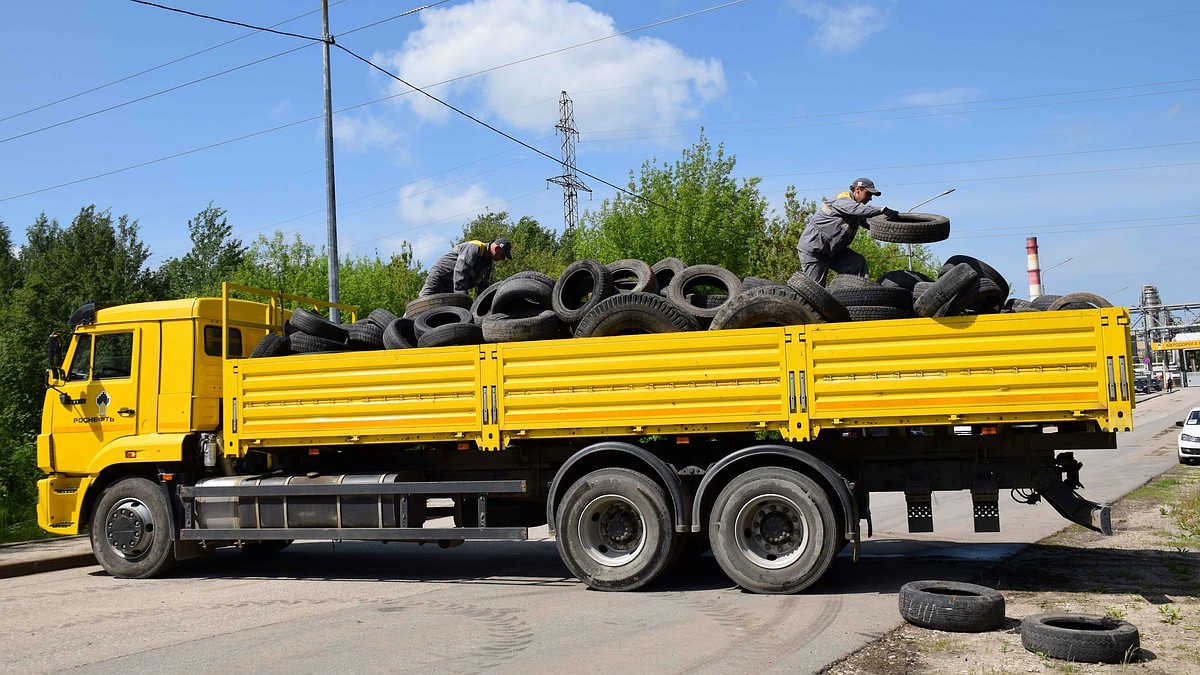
x=1035 y=268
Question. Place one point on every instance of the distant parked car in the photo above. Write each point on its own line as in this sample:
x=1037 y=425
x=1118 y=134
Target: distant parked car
x=1189 y=438
x=1143 y=385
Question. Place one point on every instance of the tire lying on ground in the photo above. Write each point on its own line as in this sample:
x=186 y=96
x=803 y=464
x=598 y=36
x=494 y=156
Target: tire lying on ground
x=1084 y=638
x=432 y=301
x=449 y=334
x=635 y=314
x=400 y=334
x=1079 y=300
x=314 y=324
x=633 y=276
x=948 y=285
x=817 y=296
x=951 y=606
x=771 y=305
x=439 y=316
x=583 y=285
x=910 y=228
x=707 y=280
x=500 y=327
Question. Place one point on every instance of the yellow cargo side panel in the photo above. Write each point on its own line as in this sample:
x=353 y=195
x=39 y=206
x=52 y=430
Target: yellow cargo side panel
x=645 y=384
x=1031 y=367
x=368 y=397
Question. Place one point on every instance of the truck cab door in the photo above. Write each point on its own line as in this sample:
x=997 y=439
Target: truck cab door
x=99 y=403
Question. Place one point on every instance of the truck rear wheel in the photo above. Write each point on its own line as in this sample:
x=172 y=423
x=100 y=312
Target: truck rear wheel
x=615 y=531
x=774 y=530
x=131 y=530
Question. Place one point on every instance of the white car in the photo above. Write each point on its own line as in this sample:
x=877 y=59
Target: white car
x=1189 y=438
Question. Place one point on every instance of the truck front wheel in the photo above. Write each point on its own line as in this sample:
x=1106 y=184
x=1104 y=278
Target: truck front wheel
x=774 y=530
x=131 y=530
x=615 y=531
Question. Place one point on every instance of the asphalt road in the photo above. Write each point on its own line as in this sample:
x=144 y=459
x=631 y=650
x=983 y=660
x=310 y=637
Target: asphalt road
x=512 y=606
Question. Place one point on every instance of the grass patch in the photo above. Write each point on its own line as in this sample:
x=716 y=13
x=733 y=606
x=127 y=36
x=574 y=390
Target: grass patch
x=19 y=526
x=940 y=645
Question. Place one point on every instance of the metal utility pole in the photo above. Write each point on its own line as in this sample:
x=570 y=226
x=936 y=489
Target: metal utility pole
x=568 y=180
x=330 y=198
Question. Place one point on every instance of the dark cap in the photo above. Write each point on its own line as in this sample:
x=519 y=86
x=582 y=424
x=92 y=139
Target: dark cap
x=867 y=184
x=504 y=245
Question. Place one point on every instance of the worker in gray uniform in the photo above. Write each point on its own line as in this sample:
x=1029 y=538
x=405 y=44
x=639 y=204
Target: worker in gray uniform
x=466 y=266
x=825 y=243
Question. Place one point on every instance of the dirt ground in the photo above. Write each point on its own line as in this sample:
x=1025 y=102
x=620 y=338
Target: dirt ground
x=1147 y=573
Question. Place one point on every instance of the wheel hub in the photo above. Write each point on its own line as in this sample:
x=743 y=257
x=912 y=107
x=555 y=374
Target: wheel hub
x=776 y=527
x=129 y=529
x=773 y=532
x=612 y=531
x=618 y=527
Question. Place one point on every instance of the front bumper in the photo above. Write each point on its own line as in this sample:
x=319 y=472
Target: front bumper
x=60 y=502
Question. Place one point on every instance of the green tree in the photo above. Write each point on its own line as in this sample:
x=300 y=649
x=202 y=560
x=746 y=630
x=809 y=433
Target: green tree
x=694 y=210
x=775 y=249
x=291 y=266
x=372 y=283
x=10 y=267
x=214 y=257
x=95 y=258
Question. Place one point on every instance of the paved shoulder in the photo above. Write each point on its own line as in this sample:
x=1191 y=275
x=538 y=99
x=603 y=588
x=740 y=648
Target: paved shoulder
x=45 y=555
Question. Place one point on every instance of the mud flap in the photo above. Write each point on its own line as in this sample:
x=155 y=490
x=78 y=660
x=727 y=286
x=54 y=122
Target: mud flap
x=1062 y=496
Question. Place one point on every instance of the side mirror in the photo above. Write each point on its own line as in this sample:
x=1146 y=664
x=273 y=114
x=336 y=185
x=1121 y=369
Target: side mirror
x=53 y=349
x=1179 y=423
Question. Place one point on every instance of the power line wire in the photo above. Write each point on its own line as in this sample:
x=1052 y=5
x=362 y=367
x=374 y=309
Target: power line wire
x=872 y=111
x=159 y=66
x=228 y=21
x=351 y=107
x=208 y=77
x=149 y=96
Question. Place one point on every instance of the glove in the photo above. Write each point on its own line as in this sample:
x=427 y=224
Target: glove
x=891 y=214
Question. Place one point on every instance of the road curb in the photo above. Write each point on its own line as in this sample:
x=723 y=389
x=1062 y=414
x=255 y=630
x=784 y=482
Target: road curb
x=62 y=562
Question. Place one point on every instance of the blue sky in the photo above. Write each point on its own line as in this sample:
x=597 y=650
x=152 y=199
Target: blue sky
x=1076 y=123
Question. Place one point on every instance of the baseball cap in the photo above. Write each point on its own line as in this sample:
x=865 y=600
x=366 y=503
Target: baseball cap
x=867 y=184
x=505 y=245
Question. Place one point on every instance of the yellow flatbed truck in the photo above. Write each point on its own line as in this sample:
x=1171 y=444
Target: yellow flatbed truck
x=165 y=441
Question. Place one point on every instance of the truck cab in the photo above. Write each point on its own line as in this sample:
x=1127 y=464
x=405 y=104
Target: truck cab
x=137 y=384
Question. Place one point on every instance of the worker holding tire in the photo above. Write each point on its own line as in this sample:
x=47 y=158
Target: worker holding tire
x=825 y=243
x=466 y=266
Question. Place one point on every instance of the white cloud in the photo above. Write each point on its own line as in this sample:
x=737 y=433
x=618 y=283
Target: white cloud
x=1174 y=111
x=362 y=133
x=423 y=203
x=626 y=81
x=841 y=28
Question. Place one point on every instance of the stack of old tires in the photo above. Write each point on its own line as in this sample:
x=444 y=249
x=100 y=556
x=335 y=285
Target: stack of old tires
x=591 y=299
